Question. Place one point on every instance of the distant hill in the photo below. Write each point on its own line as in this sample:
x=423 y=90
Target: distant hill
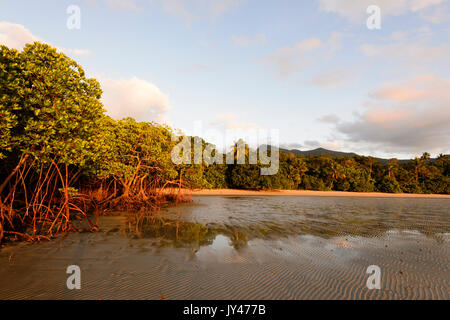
x=319 y=152
x=334 y=154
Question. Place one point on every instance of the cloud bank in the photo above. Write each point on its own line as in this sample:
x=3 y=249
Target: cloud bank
x=355 y=10
x=412 y=117
x=134 y=98
x=231 y=121
x=289 y=60
x=191 y=10
x=16 y=36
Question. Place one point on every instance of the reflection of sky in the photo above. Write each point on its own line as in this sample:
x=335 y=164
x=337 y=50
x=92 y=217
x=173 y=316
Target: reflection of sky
x=221 y=242
x=220 y=249
x=224 y=227
x=328 y=217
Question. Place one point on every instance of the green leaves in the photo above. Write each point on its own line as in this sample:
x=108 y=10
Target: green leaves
x=135 y=149
x=49 y=105
x=7 y=122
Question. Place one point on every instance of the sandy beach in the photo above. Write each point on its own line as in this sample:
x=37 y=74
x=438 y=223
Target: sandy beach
x=307 y=193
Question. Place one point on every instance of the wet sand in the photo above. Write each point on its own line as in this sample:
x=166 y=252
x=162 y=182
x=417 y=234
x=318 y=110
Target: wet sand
x=299 y=268
x=214 y=259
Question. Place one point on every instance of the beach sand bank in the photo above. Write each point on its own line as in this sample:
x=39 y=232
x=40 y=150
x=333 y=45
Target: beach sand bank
x=235 y=192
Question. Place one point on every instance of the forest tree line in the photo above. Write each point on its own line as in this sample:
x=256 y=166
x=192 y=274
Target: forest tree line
x=62 y=157
x=327 y=173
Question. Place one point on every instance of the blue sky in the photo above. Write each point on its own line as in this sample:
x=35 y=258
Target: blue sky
x=311 y=69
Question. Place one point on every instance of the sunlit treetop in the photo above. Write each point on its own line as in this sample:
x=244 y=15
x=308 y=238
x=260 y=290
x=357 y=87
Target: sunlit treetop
x=49 y=107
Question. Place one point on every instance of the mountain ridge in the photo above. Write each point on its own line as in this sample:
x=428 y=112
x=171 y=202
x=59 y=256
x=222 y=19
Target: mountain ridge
x=334 y=154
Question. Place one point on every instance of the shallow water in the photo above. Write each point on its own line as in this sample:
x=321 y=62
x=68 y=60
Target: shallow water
x=263 y=247
x=277 y=217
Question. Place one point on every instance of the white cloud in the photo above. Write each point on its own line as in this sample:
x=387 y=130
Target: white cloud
x=290 y=60
x=436 y=15
x=231 y=121
x=227 y=128
x=219 y=7
x=312 y=144
x=122 y=4
x=329 y=118
x=190 y=10
x=408 y=52
x=291 y=145
x=331 y=145
x=134 y=98
x=116 y=4
x=331 y=77
x=16 y=36
x=248 y=41
x=411 y=117
x=355 y=10
x=92 y=3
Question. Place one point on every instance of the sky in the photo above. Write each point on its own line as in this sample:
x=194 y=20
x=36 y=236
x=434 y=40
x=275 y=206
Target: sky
x=312 y=70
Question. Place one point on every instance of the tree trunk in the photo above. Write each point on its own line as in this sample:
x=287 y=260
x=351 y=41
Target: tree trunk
x=66 y=194
x=21 y=162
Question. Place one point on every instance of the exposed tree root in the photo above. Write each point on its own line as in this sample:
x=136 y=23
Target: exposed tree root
x=41 y=203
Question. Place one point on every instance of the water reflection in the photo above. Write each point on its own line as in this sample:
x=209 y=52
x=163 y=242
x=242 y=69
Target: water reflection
x=178 y=233
x=239 y=220
x=220 y=243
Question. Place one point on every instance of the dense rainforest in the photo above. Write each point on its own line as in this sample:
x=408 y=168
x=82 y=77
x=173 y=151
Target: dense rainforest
x=62 y=158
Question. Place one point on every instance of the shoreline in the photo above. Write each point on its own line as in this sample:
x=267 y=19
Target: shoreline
x=309 y=193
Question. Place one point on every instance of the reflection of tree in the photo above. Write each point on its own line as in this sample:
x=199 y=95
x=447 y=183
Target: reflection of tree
x=170 y=232
x=177 y=233
x=238 y=239
x=367 y=222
